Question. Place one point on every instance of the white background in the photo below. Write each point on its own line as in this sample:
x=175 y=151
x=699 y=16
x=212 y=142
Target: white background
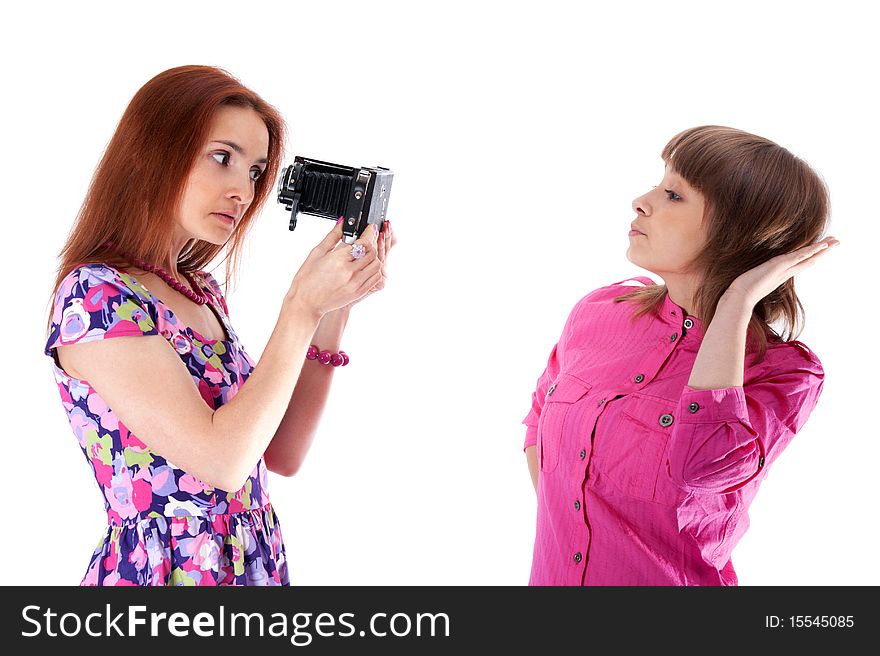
x=519 y=134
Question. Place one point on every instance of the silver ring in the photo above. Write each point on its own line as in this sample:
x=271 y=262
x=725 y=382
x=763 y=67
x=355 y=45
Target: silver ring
x=358 y=251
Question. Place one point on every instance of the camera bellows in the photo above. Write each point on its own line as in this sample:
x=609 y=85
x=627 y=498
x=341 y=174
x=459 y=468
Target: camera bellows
x=325 y=193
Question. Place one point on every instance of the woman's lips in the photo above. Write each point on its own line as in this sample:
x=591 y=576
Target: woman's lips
x=224 y=218
x=634 y=233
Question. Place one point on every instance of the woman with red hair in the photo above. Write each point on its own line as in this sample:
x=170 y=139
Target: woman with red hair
x=150 y=371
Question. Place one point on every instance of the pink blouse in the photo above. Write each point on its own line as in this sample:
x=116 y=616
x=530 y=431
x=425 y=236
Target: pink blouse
x=644 y=480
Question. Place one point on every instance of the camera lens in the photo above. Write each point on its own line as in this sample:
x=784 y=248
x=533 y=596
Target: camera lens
x=281 y=181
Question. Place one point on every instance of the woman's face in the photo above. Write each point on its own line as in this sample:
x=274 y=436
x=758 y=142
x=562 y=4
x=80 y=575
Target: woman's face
x=670 y=219
x=223 y=178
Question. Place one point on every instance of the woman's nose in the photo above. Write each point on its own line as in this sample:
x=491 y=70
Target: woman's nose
x=640 y=205
x=241 y=192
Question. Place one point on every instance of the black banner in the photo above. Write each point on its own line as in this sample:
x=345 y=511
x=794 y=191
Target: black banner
x=431 y=620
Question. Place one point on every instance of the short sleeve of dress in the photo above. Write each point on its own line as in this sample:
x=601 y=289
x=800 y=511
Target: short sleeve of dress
x=214 y=288
x=95 y=302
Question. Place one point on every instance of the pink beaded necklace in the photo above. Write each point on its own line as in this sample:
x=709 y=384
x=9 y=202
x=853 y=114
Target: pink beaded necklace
x=194 y=296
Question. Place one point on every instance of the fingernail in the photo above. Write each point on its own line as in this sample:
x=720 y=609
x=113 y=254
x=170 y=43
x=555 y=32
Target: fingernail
x=338 y=220
x=375 y=228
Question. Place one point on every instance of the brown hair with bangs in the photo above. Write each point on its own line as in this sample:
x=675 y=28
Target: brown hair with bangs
x=138 y=185
x=760 y=201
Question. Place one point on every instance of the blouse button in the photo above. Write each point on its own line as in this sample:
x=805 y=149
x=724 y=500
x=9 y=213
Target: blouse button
x=666 y=420
x=693 y=407
x=688 y=323
x=673 y=337
x=639 y=378
x=578 y=557
x=577 y=504
x=582 y=454
x=551 y=390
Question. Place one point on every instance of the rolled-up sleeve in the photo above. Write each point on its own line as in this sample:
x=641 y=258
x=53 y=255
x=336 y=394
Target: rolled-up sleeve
x=554 y=364
x=724 y=438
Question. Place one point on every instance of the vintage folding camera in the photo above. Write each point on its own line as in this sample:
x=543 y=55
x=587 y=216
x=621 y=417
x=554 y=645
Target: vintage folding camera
x=360 y=195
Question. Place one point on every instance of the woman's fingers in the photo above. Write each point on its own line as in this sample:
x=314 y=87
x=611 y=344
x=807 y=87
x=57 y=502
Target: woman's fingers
x=369 y=272
x=369 y=283
x=329 y=242
x=368 y=236
x=366 y=274
x=811 y=251
x=390 y=239
x=381 y=244
x=387 y=240
x=810 y=255
x=332 y=277
x=367 y=240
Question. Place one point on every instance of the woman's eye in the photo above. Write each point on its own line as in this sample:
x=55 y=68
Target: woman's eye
x=222 y=158
x=672 y=195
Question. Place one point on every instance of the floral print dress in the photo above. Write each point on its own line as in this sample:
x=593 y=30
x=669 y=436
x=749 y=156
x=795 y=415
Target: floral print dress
x=165 y=527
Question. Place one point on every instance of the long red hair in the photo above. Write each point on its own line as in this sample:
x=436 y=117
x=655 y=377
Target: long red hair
x=137 y=187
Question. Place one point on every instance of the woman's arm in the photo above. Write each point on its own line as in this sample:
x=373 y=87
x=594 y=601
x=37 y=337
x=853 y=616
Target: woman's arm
x=721 y=358
x=294 y=436
x=726 y=433
x=152 y=393
x=291 y=442
x=532 y=460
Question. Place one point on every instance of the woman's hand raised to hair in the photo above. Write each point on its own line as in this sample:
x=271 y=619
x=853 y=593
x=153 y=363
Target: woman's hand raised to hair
x=756 y=283
x=330 y=278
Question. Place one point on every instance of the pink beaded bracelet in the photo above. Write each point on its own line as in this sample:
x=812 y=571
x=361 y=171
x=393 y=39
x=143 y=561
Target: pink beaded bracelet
x=325 y=357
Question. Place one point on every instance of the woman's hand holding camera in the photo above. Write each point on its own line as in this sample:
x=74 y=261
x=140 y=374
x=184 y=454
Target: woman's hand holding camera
x=331 y=278
x=384 y=243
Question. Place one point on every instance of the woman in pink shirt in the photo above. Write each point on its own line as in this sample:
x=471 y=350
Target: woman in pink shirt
x=663 y=406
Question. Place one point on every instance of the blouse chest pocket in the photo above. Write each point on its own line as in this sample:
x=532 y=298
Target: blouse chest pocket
x=555 y=415
x=631 y=454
